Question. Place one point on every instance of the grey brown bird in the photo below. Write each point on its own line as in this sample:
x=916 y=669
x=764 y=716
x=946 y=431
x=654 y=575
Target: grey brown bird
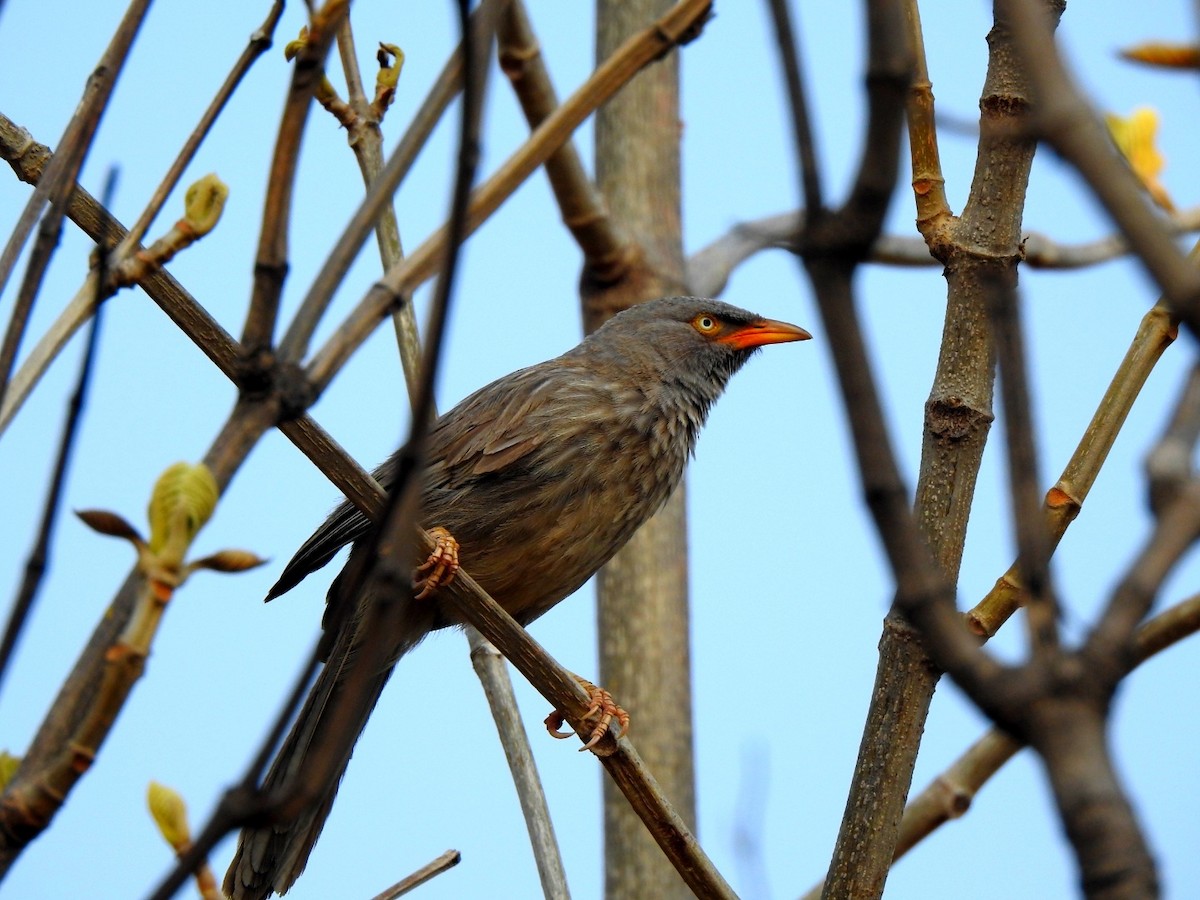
x=541 y=477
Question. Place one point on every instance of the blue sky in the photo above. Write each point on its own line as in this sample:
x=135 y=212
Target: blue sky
x=788 y=584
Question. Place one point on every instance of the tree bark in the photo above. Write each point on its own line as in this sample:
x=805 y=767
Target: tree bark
x=642 y=593
x=983 y=243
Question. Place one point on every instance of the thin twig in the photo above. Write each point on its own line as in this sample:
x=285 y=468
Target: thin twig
x=502 y=701
x=270 y=265
x=1169 y=464
x=366 y=140
x=39 y=557
x=637 y=52
x=55 y=188
x=30 y=160
x=606 y=251
x=1156 y=331
x=259 y=43
x=1068 y=123
x=449 y=82
x=430 y=870
x=205 y=201
x=806 y=151
x=709 y=268
x=1033 y=544
x=929 y=185
x=1176 y=531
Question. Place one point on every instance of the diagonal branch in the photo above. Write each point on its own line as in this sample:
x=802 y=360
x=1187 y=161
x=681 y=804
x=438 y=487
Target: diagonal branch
x=1066 y=122
x=56 y=187
x=270 y=265
x=35 y=567
x=607 y=252
x=259 y=43
x=949 y=796
x=640 y=50
x=379 y=196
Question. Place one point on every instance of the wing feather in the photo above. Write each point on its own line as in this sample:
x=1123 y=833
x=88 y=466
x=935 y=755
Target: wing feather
x=344 y=525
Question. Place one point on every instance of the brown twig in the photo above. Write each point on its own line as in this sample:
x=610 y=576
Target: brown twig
x=492 y=670
x=30 y=161
x=1109 y=646
x=1066 y=121
x=806 y=153
x=35 y=566
x=1033 y=544
x=55 y=188
x=929 y=185
x=312 y=307
x=640 y=50
x=366 y=140
x=430 y=870
x=259 y=43
x=607 y=253
x=1062 y=503
x=1169 y=465
x=205 y=201
x=709 y=268
x=270 y=266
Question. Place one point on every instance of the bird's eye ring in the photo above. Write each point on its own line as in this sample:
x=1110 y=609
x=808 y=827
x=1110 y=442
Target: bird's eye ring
x=705 y=323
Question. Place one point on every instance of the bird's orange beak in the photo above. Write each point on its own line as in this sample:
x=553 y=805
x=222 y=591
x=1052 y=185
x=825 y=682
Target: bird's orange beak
x=762 y=332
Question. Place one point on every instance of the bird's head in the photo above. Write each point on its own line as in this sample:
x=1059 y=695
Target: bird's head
x=693 y=340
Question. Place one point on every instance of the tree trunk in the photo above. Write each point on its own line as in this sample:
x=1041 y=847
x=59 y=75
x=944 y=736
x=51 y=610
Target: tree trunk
x=643 y=599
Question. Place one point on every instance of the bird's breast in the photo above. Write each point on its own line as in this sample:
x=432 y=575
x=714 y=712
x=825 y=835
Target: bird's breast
x=534 y=531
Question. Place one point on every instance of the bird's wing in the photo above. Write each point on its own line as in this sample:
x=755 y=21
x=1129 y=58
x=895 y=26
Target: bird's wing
x=495 y=427
x=345 y=524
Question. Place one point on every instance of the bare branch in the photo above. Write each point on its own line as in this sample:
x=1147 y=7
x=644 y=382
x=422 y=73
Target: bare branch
x=1033 y=545
x=35 y=566
x=1067 y=122
x=1169 y=465
x=320 y=292
x=270 y=265
x=709 y=268
x=55 y=188
x=640 y=50
x=443 y=863
x=607 y=253
x=259 y=43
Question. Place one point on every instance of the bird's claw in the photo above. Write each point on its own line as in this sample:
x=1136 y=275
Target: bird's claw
x=603 y=709
x=441 y=565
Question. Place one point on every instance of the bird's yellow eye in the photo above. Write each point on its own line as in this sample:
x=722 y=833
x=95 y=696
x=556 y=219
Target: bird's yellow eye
x=704 y=323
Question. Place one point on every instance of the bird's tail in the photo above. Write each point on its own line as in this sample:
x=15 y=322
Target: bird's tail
x=271 y=857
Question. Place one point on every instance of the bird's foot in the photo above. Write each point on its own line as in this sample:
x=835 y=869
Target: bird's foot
x=441 y=565
x=603 y=710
